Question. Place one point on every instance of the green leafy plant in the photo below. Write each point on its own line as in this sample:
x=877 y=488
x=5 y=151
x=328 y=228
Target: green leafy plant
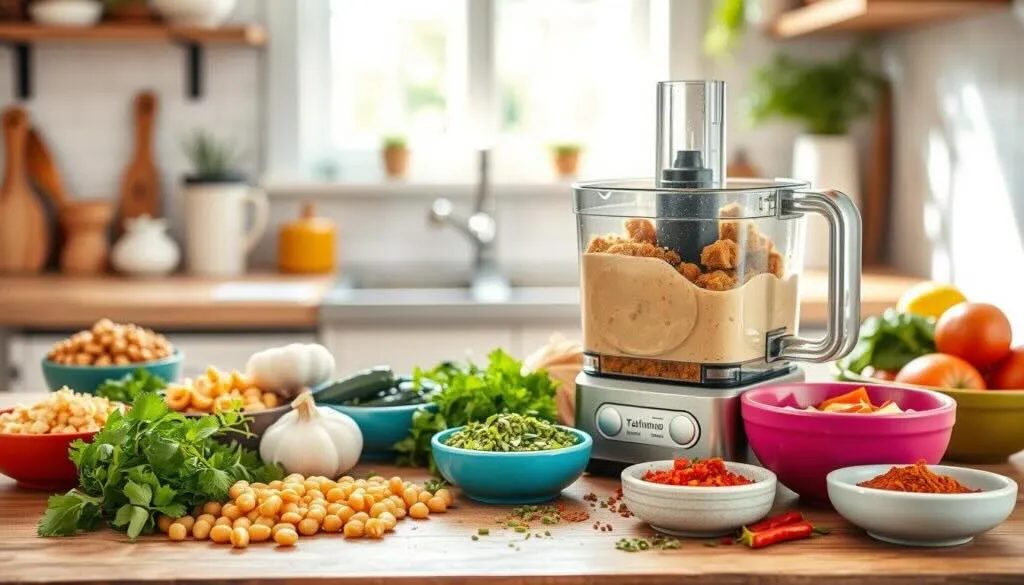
x=891 y=341
x=129 y=388
x=727 y=24
x=211 y=158
x=470 y=393
x=394 y=142
x=826 y=97
x=566 y=149
x=151 y=461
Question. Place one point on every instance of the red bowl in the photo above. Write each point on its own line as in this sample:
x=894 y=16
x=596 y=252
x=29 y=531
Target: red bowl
x=39 y=462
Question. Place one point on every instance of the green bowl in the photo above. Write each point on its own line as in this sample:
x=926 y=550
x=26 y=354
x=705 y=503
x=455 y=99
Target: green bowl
x=988 y=422
x=88 y=378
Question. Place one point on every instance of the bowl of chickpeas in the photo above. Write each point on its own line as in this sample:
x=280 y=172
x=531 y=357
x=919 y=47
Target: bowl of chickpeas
x=34 y=440
x=109 y=351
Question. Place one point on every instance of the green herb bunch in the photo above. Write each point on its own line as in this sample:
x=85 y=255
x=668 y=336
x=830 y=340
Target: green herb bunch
x=826 y=97
x=891 y=341
x=131 y=386
x=394 y=142
x=151 y=461
x=511 y=432
x=470 y=393
x=211 y=157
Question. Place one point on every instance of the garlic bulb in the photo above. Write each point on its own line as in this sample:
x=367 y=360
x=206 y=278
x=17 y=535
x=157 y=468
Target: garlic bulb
x=313 y=440
x=291 y=368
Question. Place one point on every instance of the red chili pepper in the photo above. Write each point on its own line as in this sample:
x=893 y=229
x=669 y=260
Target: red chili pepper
x=785 y=533
x=776 y=521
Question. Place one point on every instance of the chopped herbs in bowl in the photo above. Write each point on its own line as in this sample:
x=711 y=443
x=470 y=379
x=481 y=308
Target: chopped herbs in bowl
x=511 y=458
x=512 y=433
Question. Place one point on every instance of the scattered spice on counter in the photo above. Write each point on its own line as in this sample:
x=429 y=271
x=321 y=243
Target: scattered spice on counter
x=483 y=531
x=917 y=478
x=511 y=432
x=697 y=473
x=616 y=504
x=640 y=544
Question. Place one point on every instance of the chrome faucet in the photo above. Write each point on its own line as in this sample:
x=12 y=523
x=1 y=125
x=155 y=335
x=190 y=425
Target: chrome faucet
x=487 y=282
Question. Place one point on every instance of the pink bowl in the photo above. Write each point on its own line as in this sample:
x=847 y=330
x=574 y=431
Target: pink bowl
x=802 y=447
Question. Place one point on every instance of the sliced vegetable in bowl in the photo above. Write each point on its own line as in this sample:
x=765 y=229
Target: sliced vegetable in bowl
x=856 y=402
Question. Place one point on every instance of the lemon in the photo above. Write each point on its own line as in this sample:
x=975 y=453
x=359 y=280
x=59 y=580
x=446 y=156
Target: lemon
x=930 y=299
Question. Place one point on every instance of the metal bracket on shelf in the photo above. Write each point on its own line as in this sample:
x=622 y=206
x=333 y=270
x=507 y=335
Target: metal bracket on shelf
x=193 y=69
x=22 y=70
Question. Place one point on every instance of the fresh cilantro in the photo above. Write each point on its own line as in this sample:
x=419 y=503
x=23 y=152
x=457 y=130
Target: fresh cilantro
x=470 y=393
x=130 y=387
x=150 y=461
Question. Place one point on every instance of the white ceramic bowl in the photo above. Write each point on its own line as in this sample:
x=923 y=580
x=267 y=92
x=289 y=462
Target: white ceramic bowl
x=923 y=519
x=698 y=511
x=195 y=13
x=70 y=13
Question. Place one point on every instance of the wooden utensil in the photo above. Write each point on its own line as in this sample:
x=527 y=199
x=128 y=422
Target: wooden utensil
x=43 y=171
x=86 y=248
x=140 y=185
x=24 y=232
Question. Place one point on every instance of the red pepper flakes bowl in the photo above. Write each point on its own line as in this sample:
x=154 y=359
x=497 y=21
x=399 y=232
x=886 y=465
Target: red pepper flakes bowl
x=698 y=511
x=919 y=519
x=802 y=447
x=39 y=462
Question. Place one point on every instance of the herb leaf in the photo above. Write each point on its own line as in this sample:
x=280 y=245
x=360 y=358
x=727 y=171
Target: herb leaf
x=65 y=514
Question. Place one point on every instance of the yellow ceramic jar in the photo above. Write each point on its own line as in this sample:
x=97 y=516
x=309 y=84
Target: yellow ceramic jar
x=306 y=245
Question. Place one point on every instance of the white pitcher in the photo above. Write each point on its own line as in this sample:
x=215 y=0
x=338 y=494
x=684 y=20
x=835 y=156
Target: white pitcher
x=217 y=241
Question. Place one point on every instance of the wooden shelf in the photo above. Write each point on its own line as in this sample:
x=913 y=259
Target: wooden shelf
x=827 y=16
x=21 y=37
x=144 y=33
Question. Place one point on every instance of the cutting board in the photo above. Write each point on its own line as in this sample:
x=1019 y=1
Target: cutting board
x=140 y=185
x=24 y=231
x=42 y=169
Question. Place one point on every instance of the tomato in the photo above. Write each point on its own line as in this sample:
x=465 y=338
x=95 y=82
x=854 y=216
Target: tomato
x=977 y=332
x=1008 y=373
x=938 y=370
x=884 y=375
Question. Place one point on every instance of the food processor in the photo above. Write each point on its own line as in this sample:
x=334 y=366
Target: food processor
x=690 y=290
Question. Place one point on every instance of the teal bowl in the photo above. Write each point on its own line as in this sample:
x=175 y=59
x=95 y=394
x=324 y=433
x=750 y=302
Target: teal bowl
x=88 y=378
x=511 y=478
x=382 y=426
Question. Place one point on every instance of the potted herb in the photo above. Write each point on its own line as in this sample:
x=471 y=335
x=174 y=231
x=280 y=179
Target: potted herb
x=825 y=98
x=396 y=156
x=216 y=194
x=566 y=158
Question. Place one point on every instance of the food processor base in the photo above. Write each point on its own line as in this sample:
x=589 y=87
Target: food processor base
x=635 y=421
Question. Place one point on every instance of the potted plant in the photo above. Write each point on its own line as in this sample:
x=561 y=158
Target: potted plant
x=729 y=20
x=566 y=158
x=825 y=98
x=129 y=11
x=216 y=194
x=396 y=156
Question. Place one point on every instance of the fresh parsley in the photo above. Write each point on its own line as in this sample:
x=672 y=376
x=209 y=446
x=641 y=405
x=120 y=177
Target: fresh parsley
x=151 y=461
x=130 y=387
x=470 y=393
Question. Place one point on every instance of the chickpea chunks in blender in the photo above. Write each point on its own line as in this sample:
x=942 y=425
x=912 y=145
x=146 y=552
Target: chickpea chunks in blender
x=110 y=344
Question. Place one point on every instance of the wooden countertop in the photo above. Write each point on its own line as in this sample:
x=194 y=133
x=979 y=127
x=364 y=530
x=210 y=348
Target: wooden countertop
x=270 y=301
x=183 y=302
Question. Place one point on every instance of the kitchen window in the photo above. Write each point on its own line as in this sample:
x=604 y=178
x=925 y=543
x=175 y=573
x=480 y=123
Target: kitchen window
x=454 y=75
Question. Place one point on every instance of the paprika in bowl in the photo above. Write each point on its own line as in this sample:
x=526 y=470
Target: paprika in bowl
x=801 y=447
x=718 y=502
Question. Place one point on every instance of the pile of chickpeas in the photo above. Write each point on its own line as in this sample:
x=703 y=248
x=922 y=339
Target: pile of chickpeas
x=108 y=343
x=216 y=391
x=283 y=510
x=60 y=412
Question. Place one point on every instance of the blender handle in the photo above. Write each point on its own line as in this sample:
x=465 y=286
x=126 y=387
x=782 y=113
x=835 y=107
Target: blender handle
x=844 y=271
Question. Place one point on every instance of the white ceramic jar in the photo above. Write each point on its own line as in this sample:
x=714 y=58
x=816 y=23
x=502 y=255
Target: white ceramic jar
x=198 y=13
x=145 y=249
x=66 y=13
x=217 y=240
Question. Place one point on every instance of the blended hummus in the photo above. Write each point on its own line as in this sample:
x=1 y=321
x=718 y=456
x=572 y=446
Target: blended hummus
x=644 y=308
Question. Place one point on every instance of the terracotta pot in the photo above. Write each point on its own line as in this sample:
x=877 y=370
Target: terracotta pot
x=566 y=163
x=85 y=236
x=396 y=161
x=130 y=11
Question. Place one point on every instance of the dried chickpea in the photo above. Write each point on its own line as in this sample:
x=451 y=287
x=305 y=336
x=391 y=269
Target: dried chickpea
x=335 y=495
x=223 y=521
x=395 y=485
x=212 y=508
x=398 y=501
x=231 y=511
x=289 y=507
x=315 y=495
x=281 y=526
x=201 y=530
x=239 y=488
x=242 y=522
x=163 y=523
x=291 y=518
x=327 y=485
x=286 y=537
x=267 y=521
x=308 y=527
x=239 y=538
x=378 y=509
x=446 y=495
x=187 y=521
x=331 y=523
x=259 y=532
x=296 y=487
x=419 y=511
x=400 y=513
x=389 y=520
x=374 y=528
x=353 y=529
x=316 y=513
x=360 y=517
x=345 y=513
x=410 y=495
x=357 y=502
x=275 y=485
x=290 y=495
x=436 y=504
x=346 y=479
x=221 y=534
x=334 y=508
x=246 y=502
x=177 y=531
x=253 y=515
x=208 y=518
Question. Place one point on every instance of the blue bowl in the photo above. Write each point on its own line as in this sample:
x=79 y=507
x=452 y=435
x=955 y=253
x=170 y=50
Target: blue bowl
x=382 y=426
x=512 y=478
x=88 y=378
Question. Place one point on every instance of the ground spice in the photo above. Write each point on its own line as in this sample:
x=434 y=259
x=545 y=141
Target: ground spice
x=916 y=478
x=697 y=473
